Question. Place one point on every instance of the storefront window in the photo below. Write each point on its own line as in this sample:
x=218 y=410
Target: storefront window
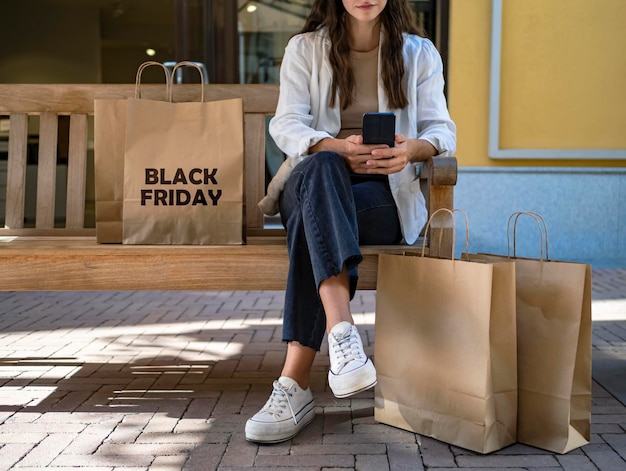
x=264 y=29
x=265 y=26
x=104 y=41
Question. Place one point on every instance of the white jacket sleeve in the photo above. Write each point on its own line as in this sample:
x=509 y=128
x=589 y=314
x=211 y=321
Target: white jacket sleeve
x=433 y=118
x=294 y=123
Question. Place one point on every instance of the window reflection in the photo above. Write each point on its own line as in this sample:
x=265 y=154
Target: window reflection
x=74 y=41
x=265 y=26
x=264 y=29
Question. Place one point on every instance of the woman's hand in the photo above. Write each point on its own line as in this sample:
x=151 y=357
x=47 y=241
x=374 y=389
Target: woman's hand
x=393 y=159
x=357 y=155
x=390 y=159
x=377 y=158
x=354 y=152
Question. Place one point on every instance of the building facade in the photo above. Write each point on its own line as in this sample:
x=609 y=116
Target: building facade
x=536 y=88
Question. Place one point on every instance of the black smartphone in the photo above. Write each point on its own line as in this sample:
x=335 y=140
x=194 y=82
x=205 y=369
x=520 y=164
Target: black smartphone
x=379 y=128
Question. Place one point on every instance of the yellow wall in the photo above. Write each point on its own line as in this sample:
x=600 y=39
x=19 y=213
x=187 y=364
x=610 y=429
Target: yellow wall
x=563 y=78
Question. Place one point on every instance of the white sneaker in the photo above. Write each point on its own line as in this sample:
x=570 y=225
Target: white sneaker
x=285 y=413
x=350 y=369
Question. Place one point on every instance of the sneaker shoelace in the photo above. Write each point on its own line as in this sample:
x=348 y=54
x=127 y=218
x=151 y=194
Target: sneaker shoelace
x=346 y=348
x=279 y=401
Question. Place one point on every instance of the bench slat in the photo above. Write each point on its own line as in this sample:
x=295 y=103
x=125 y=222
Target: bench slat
x=16 y=171
x=76 y=172
x=254 y=125
x=78 y=98
x=46 y=170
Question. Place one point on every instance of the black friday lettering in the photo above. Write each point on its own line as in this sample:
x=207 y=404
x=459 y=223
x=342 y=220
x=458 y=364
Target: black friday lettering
x=180 y=197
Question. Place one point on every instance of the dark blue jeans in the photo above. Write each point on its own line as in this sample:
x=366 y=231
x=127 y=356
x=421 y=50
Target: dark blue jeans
x=327 y=212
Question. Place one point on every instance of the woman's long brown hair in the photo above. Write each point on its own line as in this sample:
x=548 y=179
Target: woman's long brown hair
x=396 y=18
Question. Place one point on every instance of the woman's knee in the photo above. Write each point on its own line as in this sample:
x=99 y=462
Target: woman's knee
x=325 y=164
x=328 y=157
x=324 y=159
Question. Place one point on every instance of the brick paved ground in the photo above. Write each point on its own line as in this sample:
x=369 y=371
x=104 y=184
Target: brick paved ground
x=166 y=380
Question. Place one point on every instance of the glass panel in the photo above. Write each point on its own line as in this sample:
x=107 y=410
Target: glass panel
x=132 y=32
x=264 y=29
x=265 y=26
x=74 y=41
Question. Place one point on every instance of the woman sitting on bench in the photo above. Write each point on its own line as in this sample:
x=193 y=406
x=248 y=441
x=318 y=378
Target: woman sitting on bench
x=334 y=192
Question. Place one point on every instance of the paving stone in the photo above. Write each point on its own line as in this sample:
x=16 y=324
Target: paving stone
x=23 y=437
x=617 y=442
x=296 y=461
x=351 y=449
x=502 y=461
x=47 y=450
x=238 y=453
x=436 y=454
x=206 y=457
x=167 y=462
x=89 y=440
x=372 y=463
x=102 y=460
x=338 y=419
x=369 y=438
x=404 y=457
x=576 y=463
x=165 y=448
x=12 y=453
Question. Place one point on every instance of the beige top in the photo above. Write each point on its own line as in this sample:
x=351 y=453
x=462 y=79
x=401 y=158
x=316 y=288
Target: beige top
x=365 y=69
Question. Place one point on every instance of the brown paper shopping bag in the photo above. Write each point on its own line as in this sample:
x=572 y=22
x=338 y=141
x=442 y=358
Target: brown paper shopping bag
x=183 y=171
x=445 y=349
x=109 y=142
x=554 y=347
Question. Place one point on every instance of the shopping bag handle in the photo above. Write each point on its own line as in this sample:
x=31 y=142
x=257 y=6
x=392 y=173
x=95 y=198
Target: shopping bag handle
x=543 y=229
x=449 y=212
x=144 y=66
x=187 y=64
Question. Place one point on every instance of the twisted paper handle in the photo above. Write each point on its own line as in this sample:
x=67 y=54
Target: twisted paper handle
x=449 y=212
x=543 y=229
x=144 y=66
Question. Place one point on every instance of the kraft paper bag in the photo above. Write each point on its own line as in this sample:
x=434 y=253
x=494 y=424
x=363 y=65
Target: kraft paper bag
x=445 y=349
x=553 y=306
x=183 y=172
x=109 y=144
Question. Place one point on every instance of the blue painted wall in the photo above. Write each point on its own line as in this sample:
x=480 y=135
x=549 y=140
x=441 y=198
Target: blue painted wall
x=584 y=209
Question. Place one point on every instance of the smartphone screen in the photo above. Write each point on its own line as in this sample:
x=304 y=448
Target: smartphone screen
x=379 y=128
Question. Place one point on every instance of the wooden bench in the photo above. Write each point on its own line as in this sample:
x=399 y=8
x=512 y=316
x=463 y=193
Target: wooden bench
x=57 y=253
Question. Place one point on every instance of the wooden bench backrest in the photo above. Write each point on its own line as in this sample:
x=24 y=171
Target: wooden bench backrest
x=49 y=102
x=74 y=104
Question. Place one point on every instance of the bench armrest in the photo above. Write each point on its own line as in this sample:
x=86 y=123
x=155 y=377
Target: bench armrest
x=440 y=170
x=439 y=175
